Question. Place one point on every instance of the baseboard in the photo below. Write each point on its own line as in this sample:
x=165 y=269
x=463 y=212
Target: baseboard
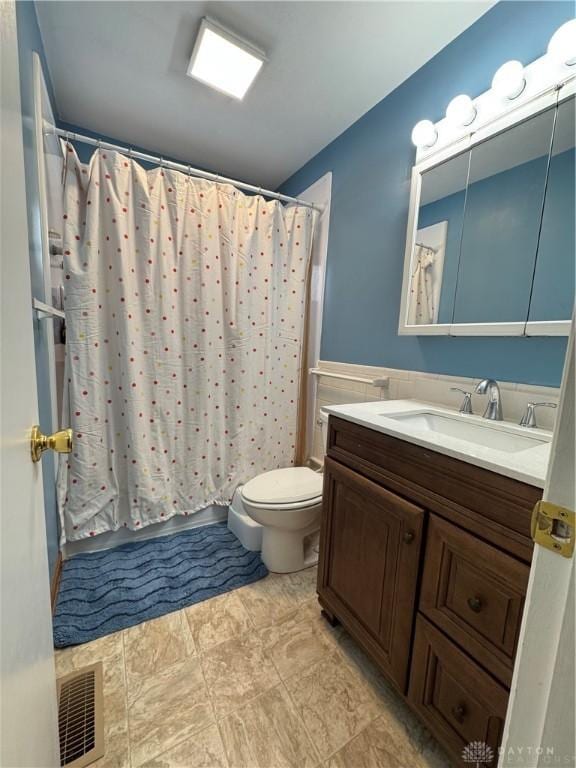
x=55 y=585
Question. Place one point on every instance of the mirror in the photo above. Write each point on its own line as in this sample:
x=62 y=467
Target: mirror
x=491 y=243
x=554 y=276
x=504 y=199
x=434 y=267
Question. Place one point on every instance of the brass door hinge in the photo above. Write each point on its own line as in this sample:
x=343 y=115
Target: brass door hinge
x=554 y=527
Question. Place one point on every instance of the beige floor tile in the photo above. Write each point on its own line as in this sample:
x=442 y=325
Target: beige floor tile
x=155 y=645
x=302 y=585
x=217 y=620
x=267 y=733
x=237 y=671
x=203 y=750
x=271 y=599
x=298 y=640
x=334 y=702
x=76 y=656
x=392 y=705
x=116 y=742
x=166 y=708
x=377 y=746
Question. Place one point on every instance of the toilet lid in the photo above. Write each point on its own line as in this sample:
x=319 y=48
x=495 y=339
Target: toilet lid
x=284 y=486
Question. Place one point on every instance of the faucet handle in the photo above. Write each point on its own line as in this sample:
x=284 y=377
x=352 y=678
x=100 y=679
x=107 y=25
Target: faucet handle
x=529 y=418
x=466 y=406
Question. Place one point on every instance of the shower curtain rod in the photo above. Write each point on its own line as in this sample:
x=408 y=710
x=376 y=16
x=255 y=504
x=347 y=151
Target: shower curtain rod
x=70 y=136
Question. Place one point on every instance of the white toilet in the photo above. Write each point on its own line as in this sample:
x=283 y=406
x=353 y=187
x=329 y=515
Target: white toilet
x=287 y=503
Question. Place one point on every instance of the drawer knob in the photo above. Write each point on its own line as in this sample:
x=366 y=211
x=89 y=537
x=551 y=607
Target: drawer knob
x=459 y=712
x=408 y=537
x=475 y=604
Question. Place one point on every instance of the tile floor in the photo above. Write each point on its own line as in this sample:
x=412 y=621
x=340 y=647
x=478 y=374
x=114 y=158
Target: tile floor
x=251 y=679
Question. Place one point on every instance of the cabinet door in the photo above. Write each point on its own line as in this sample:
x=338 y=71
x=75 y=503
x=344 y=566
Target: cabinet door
x=370 y=550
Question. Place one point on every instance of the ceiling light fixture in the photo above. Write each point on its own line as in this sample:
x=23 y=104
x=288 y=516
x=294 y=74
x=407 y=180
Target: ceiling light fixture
x=562 y=45
x=509 y=80
x=461 y=110
x=223 y=61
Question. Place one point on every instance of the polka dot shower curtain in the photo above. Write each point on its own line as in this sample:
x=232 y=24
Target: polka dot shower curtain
x=185 y=310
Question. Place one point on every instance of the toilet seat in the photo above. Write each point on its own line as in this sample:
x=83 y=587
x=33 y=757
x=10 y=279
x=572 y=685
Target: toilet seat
x=287 y=506
x=289 y=488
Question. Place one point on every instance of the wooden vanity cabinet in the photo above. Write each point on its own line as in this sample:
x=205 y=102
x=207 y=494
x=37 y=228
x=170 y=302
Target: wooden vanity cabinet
x=425 y=561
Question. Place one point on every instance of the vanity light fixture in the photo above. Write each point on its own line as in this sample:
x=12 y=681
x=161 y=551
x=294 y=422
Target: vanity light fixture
x=424 y=134
x=223 y=61
x=562 y=45
x=461 y=110
x=509 y=80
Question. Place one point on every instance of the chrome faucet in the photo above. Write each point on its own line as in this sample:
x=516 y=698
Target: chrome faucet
x=494 y=408
x=529 y=418
x=466 y=406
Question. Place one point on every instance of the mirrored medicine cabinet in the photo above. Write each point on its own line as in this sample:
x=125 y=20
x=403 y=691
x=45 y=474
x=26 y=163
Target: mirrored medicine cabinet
x=490 y=247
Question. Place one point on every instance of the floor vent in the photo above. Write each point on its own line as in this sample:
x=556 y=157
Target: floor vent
x=80 y=716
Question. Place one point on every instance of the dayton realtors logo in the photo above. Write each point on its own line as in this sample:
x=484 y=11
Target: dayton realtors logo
x=477 y=753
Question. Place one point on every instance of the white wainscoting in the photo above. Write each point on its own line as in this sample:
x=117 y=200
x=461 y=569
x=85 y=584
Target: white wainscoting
x=415 y=385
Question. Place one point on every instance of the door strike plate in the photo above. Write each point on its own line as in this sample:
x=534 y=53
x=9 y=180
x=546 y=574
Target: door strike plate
x=554 y=527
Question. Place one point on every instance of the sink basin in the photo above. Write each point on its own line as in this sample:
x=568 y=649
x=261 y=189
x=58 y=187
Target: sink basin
x=490 y=435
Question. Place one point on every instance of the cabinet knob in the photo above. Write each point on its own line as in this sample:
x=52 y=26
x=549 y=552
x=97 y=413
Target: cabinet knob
x=475 y=604
x=459 y=712
x=408 y=537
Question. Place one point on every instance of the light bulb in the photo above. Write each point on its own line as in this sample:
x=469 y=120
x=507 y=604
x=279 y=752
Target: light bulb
x=562 y=45
x=424 y=134
x=509 y=80
x=461 y=110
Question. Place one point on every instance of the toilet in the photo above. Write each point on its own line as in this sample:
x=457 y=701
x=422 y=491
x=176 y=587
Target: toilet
x=287 y=504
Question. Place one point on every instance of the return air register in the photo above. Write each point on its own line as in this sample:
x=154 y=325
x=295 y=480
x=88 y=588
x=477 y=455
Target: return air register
x=80 y=716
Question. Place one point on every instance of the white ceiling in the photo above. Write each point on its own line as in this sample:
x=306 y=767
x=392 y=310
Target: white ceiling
x=119 y=68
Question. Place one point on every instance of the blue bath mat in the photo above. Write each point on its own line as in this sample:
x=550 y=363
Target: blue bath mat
x=102 y=592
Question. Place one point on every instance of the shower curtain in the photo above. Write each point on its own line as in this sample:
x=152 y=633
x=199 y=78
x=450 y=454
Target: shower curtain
x=421 y=309
x=184 y=306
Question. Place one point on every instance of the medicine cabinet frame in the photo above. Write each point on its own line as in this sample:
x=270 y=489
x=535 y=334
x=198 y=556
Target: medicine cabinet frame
x=552 y=98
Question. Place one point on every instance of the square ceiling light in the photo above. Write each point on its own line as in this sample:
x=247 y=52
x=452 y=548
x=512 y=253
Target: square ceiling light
x=223 y=61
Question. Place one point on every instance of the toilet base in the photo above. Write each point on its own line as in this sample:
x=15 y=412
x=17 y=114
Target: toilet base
x=286 y=551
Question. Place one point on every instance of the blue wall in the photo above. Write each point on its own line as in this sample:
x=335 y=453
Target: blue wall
x=29 y=40
x=371 y=163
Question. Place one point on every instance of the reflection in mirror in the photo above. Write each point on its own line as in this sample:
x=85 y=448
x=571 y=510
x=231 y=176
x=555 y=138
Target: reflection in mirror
x=501 y=223
x=434 y=264
x=553 y=289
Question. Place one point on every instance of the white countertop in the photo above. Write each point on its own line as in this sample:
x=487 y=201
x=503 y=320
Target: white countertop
x=528 y=465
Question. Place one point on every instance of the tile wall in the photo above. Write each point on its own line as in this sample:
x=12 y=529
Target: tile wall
x=428 y=387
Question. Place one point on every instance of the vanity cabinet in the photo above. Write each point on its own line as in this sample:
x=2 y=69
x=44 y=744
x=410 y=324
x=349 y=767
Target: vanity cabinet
x=425 y=561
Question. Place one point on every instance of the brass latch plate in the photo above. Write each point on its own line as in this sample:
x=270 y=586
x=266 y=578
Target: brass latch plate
x=554 y=527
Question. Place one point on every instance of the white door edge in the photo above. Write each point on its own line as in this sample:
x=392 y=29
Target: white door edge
x=539 y=728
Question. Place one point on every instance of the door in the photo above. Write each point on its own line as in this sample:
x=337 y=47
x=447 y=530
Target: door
x=27 y=678
x=540 y=720
x=371 y=541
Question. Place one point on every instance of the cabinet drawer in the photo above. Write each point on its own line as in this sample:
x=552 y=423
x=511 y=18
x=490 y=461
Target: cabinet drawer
x=458 y=700
x=475 y=593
